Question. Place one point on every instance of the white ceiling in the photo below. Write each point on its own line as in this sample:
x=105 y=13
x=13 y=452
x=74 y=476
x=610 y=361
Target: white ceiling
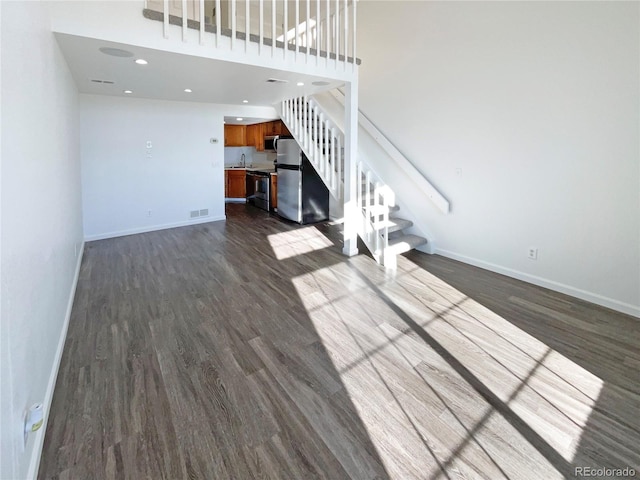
x=167 y=75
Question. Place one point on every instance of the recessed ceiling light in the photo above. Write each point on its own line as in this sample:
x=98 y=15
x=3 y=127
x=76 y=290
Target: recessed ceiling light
x=128 y=91
x=141 y=61
x=300 y=84
x=115 y=52
x=245 y=101
x=239 y=119
x=188 y=90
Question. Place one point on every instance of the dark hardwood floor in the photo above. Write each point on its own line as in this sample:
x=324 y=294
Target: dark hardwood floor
x=252 y=348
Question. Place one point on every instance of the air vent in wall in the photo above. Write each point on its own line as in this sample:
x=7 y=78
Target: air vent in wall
x=108 y=82
x=199 y=213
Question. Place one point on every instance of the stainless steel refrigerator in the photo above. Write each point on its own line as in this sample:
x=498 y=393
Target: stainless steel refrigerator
x=302 y=196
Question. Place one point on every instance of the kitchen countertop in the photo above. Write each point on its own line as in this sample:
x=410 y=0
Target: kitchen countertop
x=269 y=169
x=251 y=166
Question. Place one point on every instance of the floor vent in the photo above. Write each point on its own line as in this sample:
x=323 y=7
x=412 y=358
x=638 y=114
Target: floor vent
x=199 y=213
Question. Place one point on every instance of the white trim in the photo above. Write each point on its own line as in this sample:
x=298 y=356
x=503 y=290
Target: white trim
x=601 y=300
x=152 y=228
x=34 y=463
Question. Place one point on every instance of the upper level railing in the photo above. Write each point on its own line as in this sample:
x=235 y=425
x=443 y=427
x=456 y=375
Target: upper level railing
x=313 y=30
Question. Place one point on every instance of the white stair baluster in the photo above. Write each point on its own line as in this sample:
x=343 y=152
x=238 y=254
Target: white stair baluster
x=218 y=23
x=331 y=146
x=327 y=28
x=201 y=15
x=184 y=20
x=308 y=31
x=273 y=28
x=261 y=34
x=317 y=32
x=359 y=193
x=165 y=18
x=337 y=33
x=346 y=33
x=354 y=35
x=233 y=24
x=247 y=26
x=315 y=134
x=297 y=37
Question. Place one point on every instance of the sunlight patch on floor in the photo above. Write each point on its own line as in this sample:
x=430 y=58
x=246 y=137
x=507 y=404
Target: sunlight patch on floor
x=297 y=242
x=421 y=412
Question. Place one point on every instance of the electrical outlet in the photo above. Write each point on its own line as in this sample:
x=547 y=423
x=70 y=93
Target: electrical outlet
x=533 y=253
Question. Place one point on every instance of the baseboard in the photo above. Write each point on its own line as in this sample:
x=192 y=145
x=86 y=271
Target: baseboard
x=34 y=464
x=601 y=300
x=152 y=228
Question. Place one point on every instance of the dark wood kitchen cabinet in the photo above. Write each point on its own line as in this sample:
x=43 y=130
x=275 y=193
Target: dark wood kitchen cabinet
x=275 y=127
x=270 y=128
x=235 y=135
x=235 y=184
x=255 y=136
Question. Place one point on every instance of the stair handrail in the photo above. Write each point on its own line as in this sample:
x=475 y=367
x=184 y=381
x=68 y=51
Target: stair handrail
x=434 y=195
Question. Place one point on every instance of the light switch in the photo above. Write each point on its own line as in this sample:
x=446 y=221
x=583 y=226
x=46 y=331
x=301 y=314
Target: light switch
x=149 y=144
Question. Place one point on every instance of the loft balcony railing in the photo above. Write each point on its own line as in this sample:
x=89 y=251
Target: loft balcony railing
x=320 y=31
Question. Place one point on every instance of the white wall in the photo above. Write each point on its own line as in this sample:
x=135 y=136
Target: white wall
x=536 y=105
x=41 y=222
x=121 y=184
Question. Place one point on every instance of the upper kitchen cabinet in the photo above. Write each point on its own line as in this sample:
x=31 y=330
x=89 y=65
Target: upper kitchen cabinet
x=235 y=135
x=255 y=136
x=276 y=127
x=252 y=135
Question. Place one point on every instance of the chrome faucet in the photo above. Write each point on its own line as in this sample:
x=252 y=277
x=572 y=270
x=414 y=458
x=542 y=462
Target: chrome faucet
x=243 y=160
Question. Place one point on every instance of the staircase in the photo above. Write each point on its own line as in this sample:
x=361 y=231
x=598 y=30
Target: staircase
x=312 y=39
x=380 y=227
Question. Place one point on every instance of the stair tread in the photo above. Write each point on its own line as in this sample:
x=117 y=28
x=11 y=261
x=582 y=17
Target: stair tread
x=379 y=209
x=394 y=224
x=405 y=243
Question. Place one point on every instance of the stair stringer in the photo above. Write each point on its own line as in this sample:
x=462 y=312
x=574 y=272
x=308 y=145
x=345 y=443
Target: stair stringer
x=371 y=153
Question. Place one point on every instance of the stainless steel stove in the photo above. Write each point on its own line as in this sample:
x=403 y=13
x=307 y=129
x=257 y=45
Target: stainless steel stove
x=259 y=182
